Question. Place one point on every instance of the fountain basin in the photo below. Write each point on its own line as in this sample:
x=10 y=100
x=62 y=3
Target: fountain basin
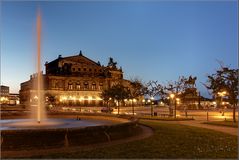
x=66 y=133
x=25 y=124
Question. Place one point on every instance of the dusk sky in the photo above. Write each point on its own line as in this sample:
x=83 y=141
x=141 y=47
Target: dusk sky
x=155 y=40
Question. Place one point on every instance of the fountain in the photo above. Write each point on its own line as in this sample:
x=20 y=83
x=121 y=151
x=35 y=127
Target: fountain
x=38 y=109
x=39 y=75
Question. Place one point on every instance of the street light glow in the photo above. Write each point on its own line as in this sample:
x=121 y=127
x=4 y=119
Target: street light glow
x=172 y=96
x=223 y=93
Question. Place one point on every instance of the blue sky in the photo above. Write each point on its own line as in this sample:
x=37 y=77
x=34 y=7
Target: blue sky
x=157 y=40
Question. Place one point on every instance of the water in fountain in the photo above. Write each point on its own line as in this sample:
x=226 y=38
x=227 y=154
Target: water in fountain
x=37 y=96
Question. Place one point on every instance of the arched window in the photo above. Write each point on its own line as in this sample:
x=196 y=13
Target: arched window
x=70 y=86
x=78 y=87
x=100 y=86
x=86 y=85
x=93 y=86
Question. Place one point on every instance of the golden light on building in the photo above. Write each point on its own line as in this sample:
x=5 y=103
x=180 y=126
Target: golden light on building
x=99 y=99
x=178 y=100
x=84 y=77
x=4 y=99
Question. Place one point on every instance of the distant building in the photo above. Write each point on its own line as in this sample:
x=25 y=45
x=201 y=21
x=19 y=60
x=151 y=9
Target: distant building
x=4 y=90
x=8 y=98
x=4 y=93
x=74 y=80
x=13 y=99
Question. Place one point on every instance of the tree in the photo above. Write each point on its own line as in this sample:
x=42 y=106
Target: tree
x=106 y=95
x=137 y=89
x=152 y=91
x=224 y=80
x=176 y=89
x=117 y=92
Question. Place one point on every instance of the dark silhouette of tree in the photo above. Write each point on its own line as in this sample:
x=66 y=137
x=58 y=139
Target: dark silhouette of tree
x=176 y=88
x=152 y=91
x=137 y=90
x=224 y=80
x=117 y=92
x=106 y=96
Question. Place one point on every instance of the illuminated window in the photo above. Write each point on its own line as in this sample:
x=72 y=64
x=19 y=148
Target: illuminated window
x=70 y=86
x=86 y=86
x=78 y=86
x=101 y=86
x=93 y=86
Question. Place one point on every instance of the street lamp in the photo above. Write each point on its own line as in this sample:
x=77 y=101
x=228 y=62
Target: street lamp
x=151 y=102
x=175 y=103
x=221 y=95
x=172 y=95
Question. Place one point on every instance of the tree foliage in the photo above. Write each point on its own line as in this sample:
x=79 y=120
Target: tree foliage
x=152 y=88
x=225 y=79
x=137 y=88
x=116 y=92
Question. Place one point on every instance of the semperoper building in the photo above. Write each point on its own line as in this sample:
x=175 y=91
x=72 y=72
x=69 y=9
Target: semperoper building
x=74 y=80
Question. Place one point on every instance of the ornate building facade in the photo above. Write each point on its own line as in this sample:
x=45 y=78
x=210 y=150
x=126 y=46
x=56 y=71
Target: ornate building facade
x=74 y=80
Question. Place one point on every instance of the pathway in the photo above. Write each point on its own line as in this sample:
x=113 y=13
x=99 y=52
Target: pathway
x=198 y=123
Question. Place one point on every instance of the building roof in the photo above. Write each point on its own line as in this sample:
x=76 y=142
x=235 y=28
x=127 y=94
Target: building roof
x=4 y=86
x=71 y=57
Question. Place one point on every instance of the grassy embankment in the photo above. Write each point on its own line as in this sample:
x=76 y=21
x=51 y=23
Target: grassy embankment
x=169 y=141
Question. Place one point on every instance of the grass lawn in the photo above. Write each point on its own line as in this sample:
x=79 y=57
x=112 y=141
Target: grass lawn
x=223 y=123
x=166 y=118
x=169 y=141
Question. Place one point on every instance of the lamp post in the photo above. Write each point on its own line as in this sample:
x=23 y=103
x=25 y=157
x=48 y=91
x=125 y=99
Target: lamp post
x=151 y=102
x=221 y=95
x=175 y=103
